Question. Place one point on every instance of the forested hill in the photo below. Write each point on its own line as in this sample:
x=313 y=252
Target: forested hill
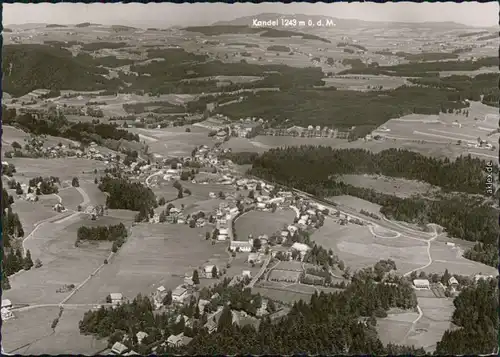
x=313 y=169
x=465 y=174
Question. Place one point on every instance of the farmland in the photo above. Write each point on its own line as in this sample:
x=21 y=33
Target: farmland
x=153 y=255
x=257 y=223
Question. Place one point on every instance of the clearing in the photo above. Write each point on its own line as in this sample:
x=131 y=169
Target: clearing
x=257 y=223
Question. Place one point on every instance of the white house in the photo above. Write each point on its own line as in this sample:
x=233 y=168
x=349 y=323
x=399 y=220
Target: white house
x=6 y=314
x=453 y=282
x=179 y=294
x=477 y=277
x=221 y=237
x=175 y=340
x=300 y=247
x=119 y=348
x=246 y=273
x=244 y=246
x=201 y=305
x=421 y=284
x=450 y=244
x=116 y=298
x=208 y=270
x=141 y=335
x=224 y=231
x=6 y=303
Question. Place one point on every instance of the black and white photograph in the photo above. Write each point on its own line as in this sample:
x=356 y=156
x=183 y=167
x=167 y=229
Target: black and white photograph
x=250 y=179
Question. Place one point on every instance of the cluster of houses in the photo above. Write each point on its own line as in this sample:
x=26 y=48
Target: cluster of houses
x=245 y=126
x=453 y=284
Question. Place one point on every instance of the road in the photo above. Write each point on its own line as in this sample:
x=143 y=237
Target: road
x=66 y=306
x=261 y=271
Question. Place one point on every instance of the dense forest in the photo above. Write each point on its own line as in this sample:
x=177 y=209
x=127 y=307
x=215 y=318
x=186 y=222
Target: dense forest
x=313 y=170
x=465 y=174
x=12 y=258
x=58 y=125
x=123 y=194
x=476 y=312
x=328 y=324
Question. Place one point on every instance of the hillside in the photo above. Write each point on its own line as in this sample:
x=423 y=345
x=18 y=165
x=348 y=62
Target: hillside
x=341 y=23
x=30 y=67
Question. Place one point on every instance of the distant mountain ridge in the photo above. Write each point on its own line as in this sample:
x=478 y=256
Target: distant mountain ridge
x=342 y=23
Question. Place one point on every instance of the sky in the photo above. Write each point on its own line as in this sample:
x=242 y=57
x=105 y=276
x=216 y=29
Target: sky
x=167 y=14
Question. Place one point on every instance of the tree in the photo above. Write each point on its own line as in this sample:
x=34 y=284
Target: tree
x=225 y=323
x=19 y=190
x=188 y=130
x=16 y=146
x=38 y=263
x=196 y=278
x=28 y=263
x=257 y=244
x=5 y=281
x=75 y=182
x=214 y=272
x=179 y=194
x=271 y=307
x=167 y=300
x=207 y=235
x=96 y=181
x=108 y=299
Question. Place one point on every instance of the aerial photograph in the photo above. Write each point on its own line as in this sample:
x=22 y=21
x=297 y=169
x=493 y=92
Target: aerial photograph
x=250 y=179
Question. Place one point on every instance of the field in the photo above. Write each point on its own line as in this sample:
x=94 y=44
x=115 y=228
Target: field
x=395 y=327
x=431 y=327
x=171 y=142
x=356 y=203
x=446 y=257
x=67 y=335
x=65 y=169
x=63 y=263
x=288 y=292
x=257 y=223
x=153 y=255
x=364 y=83
x=95 y=196
x=27 y=327
x=31 y=213
x=71 y=198
x=389 y=185
x=356 y=246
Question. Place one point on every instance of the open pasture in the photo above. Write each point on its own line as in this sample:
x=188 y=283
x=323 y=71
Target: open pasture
x=94 y=195
x=356 y=203
x=390 y=185
x=21 y=332
x=68 y=335
x=11 y=134
x=395 y=327
x=63 y=263
x=165 y=189
x=171 y=142
x=356 y=246
x=153 y=255
x=435 y=321
x=65 y=169
x=31 y=213
x=281 y=294
x=446 y=257
x=258 y=222
x=70 y=197
x=364 y=83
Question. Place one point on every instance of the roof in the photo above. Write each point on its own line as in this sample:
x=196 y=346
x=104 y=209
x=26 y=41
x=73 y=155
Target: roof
x=237 y=243
x=132 y=353
x=209 y=268
x=116 y=296
x=300 y=247
x=420 y=282
x=161 y=289
x=178 y=291
x=119 y=348
x=175 y=339
x=141 y=334
x=6 y=302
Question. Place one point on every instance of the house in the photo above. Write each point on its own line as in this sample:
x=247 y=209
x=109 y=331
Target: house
x=221 y=237
x=175 y=340
x=161 y=289
x=292 y=229
x=116 y=298
x=141 y=335
x=211 y=326
x=452 y=282
x=118 y=348
x=253 y=257
x=224 y=231
x=208 y=270
x=421 y=284
x=300 y=247
x=179 y=294
x=246 y=273
x=477 y=277
x=242 y=246
x=6 y=303
x=6 y=314
x=201 y=305
x=132 y=353
x=450 y=244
